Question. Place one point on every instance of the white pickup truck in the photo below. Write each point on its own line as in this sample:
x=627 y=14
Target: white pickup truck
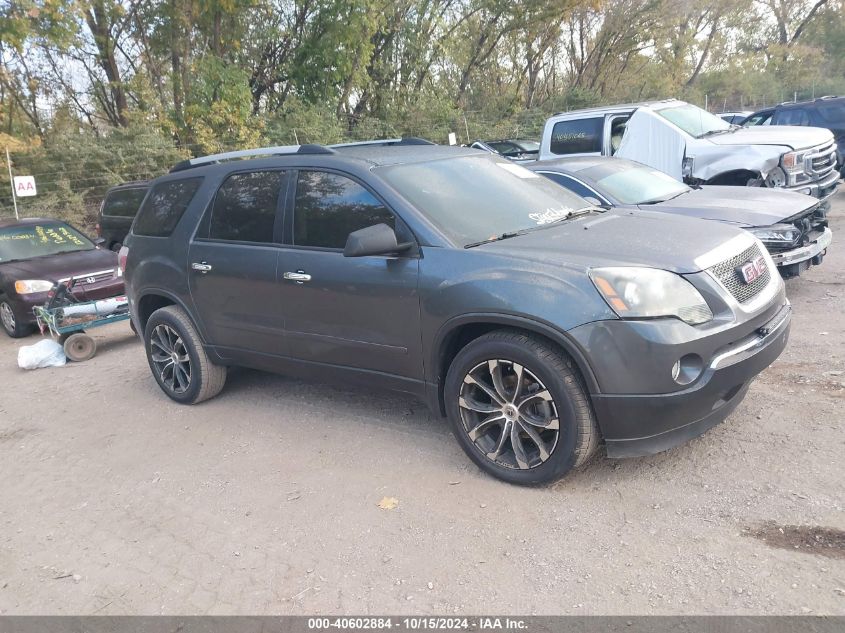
x=697 y=147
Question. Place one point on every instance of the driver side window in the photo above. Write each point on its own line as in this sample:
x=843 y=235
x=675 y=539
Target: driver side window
x=328 y=207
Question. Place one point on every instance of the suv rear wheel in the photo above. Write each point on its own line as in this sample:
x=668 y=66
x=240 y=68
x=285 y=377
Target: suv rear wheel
x=177 y=359
x=518 y=407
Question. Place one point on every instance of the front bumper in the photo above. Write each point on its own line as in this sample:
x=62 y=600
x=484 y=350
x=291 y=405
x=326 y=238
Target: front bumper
x=24 y=305
x=804 y=253
x=822 y=189
x=644 y=424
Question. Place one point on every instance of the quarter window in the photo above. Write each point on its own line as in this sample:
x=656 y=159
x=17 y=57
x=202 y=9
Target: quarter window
x=164 y=207
x=573 y=185
x=244 y=209
x=580 y=136
x=329 y=207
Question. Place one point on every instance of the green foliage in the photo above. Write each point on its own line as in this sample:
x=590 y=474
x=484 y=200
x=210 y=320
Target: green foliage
x=73 y=170
x=94 y=92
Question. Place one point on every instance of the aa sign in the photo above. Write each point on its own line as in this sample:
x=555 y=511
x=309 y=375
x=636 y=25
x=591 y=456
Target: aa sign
x=25 y=186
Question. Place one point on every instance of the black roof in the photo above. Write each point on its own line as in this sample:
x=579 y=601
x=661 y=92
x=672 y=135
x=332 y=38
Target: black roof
x=130 y=184
x=795 y=104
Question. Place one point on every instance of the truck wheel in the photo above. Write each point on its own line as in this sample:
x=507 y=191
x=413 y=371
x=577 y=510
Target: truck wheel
x=177 y=359
x=80 y=347
x=12 y=323
x=518 y=407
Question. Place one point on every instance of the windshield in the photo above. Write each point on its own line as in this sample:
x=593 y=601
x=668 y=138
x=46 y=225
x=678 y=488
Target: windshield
x=630 y=183
x=694 y=121
x=474 y=198
x=38 y=240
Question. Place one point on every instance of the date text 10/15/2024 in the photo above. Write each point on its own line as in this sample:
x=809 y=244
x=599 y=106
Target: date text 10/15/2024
x=417 y=623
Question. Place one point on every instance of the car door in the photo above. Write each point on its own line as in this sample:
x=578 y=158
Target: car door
x=352 y=312
x=232 y=265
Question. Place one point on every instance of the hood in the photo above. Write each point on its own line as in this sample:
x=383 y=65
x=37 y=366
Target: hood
x=61 y=265
x=790 y=136
x=743 y=206
x=626 y=238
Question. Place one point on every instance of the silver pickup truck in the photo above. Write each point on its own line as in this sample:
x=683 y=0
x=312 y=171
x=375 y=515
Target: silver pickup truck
x=697 y=147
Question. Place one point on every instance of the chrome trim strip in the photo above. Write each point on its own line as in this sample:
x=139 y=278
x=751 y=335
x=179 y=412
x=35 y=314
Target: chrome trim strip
x=84 y=275
x=724 y=251
x=757 y=341
x=804 y=253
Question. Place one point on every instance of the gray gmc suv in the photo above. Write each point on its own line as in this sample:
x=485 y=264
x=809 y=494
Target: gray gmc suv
x=539 y=325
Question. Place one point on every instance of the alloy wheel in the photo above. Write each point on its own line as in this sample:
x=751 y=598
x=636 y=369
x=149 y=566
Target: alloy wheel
x=509 y=414
x=7 y=316
x=170 y=358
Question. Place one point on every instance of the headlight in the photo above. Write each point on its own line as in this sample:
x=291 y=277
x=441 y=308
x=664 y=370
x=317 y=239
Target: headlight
x=779 y=234
x=28 y=286
x=793 y=162
x=649 y=292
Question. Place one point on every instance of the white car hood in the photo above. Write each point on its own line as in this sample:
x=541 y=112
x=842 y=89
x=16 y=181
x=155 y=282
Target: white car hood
x=790 y=136
x=654 y=141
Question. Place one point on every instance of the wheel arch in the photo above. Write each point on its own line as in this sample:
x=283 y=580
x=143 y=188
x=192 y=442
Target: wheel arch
x=153 y=299
x=735 y=177
x=458 y=332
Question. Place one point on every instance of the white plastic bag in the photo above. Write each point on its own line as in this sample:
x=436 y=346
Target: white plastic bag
x=45 y=353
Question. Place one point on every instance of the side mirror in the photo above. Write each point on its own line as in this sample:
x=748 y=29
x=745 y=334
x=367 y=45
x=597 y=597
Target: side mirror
x=378 y=239
x=99 y=241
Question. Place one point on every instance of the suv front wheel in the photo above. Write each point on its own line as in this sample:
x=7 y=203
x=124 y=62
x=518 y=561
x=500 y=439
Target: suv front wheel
x=518 y=407
x=177 y=359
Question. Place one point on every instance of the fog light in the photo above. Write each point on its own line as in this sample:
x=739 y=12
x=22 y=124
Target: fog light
x=687 y=369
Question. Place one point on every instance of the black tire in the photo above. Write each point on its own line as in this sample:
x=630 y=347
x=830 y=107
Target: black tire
x=12 y=322
x=555 y=390
x=116 y=246
x=204 y=379
x=79 y=347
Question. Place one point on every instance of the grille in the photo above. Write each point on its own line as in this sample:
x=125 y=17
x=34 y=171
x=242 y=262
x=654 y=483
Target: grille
x=822 y=160
x=91 y=278
x=728 y=275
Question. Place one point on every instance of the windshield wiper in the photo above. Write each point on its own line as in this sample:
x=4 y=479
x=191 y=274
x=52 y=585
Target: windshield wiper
x=531 y=229
x=714 y=132
x=659 y=200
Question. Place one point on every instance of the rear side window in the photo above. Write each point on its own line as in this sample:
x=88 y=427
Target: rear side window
x=124 y=203
x=164 y=207
x=580 y=136
x=329 y=207
x=793 y=116
x=833 y=113
x=244 y=208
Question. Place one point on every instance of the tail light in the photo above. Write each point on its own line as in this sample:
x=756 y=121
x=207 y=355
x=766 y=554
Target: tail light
x=121 y=260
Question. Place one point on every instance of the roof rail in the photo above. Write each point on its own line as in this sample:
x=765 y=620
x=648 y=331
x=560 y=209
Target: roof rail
x=277 y=150
x=386 y=142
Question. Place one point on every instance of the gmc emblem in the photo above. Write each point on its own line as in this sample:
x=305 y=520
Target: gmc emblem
x=751 y=270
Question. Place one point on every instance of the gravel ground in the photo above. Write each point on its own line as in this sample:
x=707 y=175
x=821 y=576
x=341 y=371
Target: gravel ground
x=265 y=500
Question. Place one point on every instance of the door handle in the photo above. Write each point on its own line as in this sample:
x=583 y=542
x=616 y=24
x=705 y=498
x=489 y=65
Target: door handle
x=201 y=266
x=300 y=276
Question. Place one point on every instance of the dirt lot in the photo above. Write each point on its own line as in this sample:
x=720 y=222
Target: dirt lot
x=113 y=500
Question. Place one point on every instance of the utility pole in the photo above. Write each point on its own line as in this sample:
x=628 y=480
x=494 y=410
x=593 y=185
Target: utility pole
x=12 y=183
